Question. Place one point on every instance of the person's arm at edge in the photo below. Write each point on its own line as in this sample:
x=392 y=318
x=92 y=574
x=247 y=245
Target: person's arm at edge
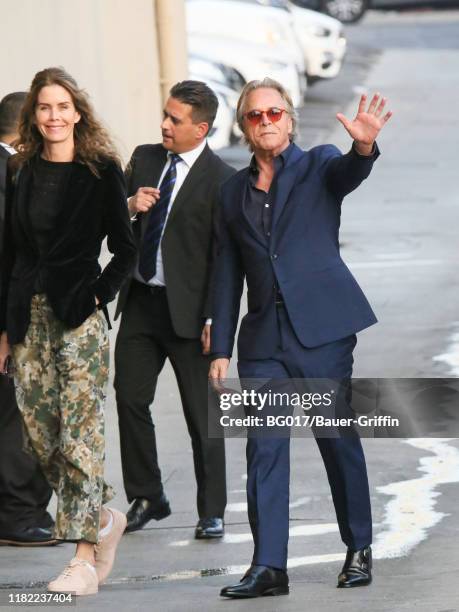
x=7 y=262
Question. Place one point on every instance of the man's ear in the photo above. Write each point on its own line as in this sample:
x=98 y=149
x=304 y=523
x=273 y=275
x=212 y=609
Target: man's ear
x=202 y=129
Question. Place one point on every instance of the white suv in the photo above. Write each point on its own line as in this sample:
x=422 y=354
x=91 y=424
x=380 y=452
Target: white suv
x=256 y=40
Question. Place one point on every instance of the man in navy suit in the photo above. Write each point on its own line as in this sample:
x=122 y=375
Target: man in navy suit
x=279 y=229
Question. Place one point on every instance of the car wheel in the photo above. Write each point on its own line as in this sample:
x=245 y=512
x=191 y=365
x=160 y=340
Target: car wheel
x=347 y=11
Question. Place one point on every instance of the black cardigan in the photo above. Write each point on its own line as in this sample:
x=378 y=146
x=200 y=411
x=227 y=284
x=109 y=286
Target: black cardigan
x=93 y=208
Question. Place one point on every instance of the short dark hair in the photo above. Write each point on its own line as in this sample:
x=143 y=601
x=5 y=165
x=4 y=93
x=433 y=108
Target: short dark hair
x=10 y=110
x=200 y=96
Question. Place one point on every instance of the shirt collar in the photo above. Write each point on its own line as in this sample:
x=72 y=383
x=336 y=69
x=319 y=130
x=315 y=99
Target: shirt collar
x=8 y=148
x=189 y=157
x=280 y=160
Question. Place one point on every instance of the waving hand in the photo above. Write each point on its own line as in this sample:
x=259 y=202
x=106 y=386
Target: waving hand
x=367 y=124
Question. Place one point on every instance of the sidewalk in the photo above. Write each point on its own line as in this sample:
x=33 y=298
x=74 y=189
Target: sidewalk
x=400 y=239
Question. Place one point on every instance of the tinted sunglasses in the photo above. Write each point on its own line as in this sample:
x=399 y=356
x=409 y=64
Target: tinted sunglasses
x=273 y=114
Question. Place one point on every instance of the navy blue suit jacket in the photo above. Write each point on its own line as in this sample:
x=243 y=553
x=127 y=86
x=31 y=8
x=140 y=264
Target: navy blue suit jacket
x=322 y=298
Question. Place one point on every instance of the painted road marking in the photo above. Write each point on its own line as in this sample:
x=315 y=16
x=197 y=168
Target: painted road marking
x=409 y=514
x=451 y=356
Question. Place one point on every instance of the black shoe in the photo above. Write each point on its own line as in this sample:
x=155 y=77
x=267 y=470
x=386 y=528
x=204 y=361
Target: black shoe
x=259 y=580
x=208 y=528
x=143 y=510
x=45 y=520
x=28 y=536
x=356 y=569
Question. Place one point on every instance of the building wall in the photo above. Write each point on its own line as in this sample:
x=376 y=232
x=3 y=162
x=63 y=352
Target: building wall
x=109 y=46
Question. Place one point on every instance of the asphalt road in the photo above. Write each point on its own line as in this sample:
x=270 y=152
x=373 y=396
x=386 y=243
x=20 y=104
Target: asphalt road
x=399 y=237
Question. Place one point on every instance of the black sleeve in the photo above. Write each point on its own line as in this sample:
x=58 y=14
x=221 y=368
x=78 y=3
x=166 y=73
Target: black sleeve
x=129 y=172
x=120 y=240
x=7 y=253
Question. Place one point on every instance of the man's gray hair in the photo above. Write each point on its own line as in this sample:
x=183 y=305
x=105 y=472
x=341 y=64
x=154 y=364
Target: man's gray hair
x=265 y=83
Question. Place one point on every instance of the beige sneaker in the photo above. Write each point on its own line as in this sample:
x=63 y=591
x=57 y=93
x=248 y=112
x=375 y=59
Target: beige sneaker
x=78 y=577
x=106 y=549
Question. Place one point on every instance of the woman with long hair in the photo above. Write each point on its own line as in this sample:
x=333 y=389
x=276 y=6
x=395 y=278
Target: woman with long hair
x=65 y=193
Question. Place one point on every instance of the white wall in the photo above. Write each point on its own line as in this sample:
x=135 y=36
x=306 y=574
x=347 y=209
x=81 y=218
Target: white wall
x=108 y=46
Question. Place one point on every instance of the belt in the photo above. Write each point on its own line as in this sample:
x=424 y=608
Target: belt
x=152 y=289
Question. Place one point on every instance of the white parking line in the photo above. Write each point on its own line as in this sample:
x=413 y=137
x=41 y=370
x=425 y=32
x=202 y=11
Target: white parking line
x=237 y=507
x=242 y=506
x=294 y=532
x=409 y=515
x=411 y=512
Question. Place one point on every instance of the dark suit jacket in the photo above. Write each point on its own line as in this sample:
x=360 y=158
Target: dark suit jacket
x=3 y=159
x=188 y=237
x=302 y=257
x=92 y=209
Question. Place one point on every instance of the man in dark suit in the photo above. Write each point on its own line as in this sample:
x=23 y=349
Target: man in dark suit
x=279 y=228
x=24 y=492
x=173 y=190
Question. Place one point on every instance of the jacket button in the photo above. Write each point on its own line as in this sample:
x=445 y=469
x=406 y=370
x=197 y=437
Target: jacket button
x=274 y=256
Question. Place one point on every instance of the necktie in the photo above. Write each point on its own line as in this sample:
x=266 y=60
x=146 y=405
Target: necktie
x=156 y=220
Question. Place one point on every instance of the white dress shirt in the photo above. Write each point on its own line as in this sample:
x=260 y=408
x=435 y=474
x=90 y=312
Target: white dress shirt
x=8 y=148
x=183 y=167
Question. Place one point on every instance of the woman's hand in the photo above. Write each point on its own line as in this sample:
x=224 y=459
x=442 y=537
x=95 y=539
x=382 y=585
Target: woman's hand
x=5 y=351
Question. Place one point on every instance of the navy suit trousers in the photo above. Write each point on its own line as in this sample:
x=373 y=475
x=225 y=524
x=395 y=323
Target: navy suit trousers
x=268 y=458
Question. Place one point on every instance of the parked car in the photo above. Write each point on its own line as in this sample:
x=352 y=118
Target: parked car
x=320 y=37
x=323 y=42
x=255 y=40
x=350 y=11
x=227 y=84
x=217 y=72
x=221 y=133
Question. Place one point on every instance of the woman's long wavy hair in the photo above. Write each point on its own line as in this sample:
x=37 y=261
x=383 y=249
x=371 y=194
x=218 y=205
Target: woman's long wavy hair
x=93 y=144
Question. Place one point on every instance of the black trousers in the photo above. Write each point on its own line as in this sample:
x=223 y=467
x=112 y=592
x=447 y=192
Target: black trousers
x=145 y=340
x=24 y=491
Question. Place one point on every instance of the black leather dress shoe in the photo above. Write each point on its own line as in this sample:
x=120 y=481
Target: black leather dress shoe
x=28 y=536
x=144 y=510
x=45 y=520
x=259 y=580
x=356 y=569
x=208 y=528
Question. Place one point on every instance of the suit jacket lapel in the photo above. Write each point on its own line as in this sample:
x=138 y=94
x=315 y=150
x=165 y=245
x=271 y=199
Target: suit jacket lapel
x=22 y=201
x=197 y=172
x=3 y=163
x=285 y=181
